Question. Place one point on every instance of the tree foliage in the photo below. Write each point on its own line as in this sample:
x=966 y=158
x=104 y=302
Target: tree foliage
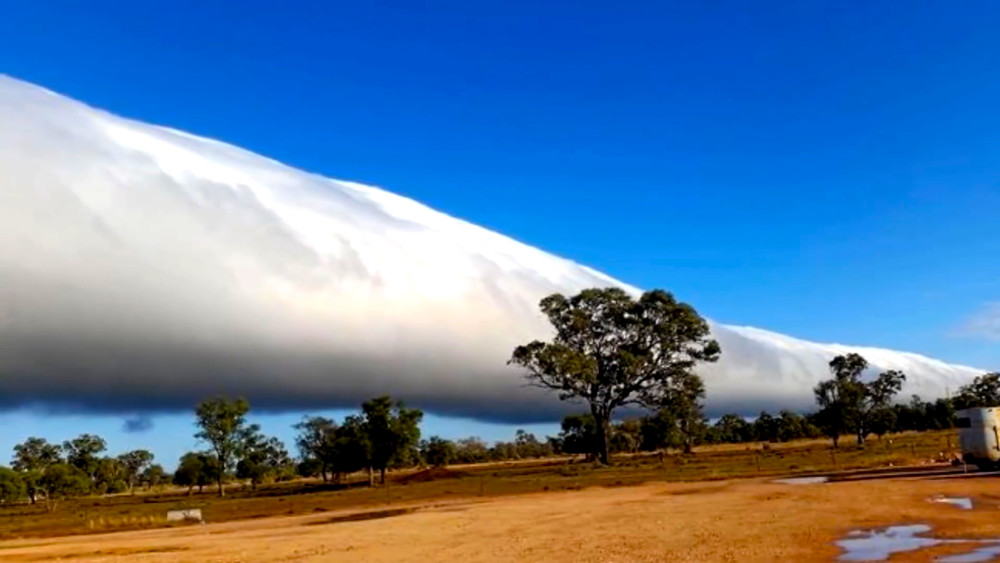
x=611 y=350
x=392 y=430
x=437 y=452
x=134 y=463
x=196 y=469
x=31 y=458
x=83 y=452
x=12 y=486
x=984 y=391
x=317 y=439
x=262 y=458
x=62 y=480
x=224 y=427
x=849 y=404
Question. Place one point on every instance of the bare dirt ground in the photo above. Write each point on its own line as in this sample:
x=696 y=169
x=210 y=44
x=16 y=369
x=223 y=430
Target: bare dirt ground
x=738 y=520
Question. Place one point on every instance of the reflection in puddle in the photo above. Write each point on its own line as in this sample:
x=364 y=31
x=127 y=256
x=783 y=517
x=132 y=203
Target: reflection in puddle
x=803 y=480
x=965 y=503
x=879 y=545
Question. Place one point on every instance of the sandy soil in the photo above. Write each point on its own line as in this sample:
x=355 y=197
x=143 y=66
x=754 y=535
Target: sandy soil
x=743 y=521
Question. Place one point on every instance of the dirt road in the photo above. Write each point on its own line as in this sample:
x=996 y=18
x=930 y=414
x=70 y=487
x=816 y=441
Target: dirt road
x=743 y=521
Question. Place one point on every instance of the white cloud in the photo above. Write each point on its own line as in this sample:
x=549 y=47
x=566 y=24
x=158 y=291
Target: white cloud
x=144 y=268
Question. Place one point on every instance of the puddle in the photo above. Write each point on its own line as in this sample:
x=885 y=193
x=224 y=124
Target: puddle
x=880 y=545
x=988 y=553
x=803 y=480
x=965 y=503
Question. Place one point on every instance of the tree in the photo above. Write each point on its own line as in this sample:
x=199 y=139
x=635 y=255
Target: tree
x=611 y=350
x=626 y=436
x=353 y=448
x=984 y=391
x=317 y=440
x=31 y=458
x=109 y=476
x=765 y=427
x=849 y=404
x=659 y=431
x=12 y=487
x=153 y=476
x=83 y=453
x=392 y=430
x=262 y=458
x=196 y=469
x=471 y=450
x=62 y=480
x=734 y=428
x=223 y=425
x=134 y=463
x=683 y=400
x=438 y=452
x=580 y=435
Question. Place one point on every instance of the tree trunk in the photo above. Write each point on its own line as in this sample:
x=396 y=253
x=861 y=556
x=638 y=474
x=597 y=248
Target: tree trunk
x=323 y=473
x=602 y=434
x=201 y=488
x=371 y=476
x=382 y=475
x=32 y=496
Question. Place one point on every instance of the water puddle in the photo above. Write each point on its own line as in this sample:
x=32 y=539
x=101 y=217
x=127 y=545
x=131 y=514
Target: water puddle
x=988 y=553
x=965 y=503
x=879 y=545
x=803 y=480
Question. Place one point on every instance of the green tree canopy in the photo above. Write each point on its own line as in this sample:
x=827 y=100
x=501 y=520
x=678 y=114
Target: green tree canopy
x=317 y=439
x=12 y=486
x=611 y=350
x=849 y=404
x=196 y=469
x=224 y=427
x=261 y=458
x=62 y=480
x=134 y=463
x=83 y=452
x=31 y=457
x=984 y=391
x=392 y=430
x=438 y=452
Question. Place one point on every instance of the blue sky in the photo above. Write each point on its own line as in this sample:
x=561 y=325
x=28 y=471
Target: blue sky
x=826 y=170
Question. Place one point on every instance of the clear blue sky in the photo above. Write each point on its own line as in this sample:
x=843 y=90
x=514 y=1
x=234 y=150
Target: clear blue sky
x=823 y=169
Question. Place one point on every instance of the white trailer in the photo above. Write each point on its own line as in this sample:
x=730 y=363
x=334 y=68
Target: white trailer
x=979 y=436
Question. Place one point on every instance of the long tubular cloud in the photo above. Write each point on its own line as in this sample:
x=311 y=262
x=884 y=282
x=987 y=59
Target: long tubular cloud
x=145 y=268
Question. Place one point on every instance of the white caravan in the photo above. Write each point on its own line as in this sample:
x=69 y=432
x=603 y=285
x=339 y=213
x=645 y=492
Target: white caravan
x=979 y=436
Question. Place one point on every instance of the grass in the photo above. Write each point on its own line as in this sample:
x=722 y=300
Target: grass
x=148 y=510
